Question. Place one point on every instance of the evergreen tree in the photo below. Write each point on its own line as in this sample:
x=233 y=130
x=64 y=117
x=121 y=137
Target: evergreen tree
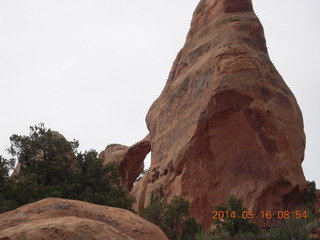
x=50 y=166
x=173 y=218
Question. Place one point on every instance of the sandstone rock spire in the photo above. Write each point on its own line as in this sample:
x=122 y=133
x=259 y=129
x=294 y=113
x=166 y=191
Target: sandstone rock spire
x=225 y=123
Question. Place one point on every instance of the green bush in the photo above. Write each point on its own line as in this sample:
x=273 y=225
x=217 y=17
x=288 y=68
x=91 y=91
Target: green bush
x=5 y=167
x=311 y=195
x=312 y=226
x=203 y=236
x=289 y=229
x=154 y=212
x=52 y=167
x=238 y=224
x=222 y=236
x=173 y=218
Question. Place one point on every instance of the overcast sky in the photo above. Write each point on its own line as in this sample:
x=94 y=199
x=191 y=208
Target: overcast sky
x=90 y=69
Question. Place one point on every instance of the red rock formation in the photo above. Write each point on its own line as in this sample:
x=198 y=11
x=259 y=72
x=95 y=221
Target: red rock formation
x=129 y=160
x=54 y=218
x=226 y=122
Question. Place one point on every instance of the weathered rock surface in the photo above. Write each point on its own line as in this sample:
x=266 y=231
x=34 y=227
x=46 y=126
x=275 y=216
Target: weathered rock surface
x=226 y=122
x=54 y=218
x=129 y=160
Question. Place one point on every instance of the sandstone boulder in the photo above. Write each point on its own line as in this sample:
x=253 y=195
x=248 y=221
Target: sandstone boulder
x=226 y=122
x=54 y=218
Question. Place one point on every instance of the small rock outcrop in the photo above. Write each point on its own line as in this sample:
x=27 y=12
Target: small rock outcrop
x=54 y=218
x=225 y=123
x=129 y=160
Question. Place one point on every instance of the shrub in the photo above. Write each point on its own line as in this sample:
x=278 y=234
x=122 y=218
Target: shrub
x=173 y=218
x=222 y=236
x=289 y=229
x=311 y=195
x=52 y=167
x=203 y=236
x=312 y=226
x=238 y=224
x=5 y=167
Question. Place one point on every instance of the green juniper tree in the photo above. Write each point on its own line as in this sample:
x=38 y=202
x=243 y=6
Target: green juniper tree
x=51 y=166
x=5 y=167
x=173 y=218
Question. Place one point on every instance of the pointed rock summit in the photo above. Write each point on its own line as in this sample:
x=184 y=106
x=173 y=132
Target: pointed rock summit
x=226 y=123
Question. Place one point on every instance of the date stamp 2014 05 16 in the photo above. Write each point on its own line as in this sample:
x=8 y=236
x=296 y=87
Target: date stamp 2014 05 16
x=260 y=215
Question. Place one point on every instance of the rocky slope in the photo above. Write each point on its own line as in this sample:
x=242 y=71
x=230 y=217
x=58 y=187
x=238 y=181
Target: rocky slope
x=54 y=218
x=226 y=122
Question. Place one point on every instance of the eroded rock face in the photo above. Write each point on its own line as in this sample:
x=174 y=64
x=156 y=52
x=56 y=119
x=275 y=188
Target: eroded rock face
x=226 y=122
x=129 y=160
x=54 y=218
